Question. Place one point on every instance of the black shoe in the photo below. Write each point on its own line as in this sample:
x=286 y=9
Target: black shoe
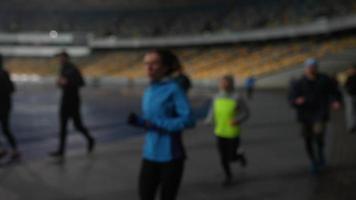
x=56 y=154
x=91 y=145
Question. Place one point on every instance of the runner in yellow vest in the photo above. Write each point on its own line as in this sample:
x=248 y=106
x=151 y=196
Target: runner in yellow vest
x=228 y=111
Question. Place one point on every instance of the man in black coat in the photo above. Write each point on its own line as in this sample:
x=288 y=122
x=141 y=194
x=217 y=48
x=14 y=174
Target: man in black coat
x=312 y=96
x=6 y=89
x=70 y=81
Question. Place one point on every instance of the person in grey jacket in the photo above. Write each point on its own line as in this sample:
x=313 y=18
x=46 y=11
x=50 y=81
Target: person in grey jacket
x=228 y=111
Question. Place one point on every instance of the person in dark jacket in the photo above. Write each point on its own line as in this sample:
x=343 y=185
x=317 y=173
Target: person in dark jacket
x=70 y=81
x=166 y=113
x=7 y=88
x=312 y=96
x=350 y=99
x=250 y=83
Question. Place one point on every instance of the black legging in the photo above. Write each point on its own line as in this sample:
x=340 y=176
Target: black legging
x=71 y=110
x=314 y=133
x=5 y=125
x=228 y=153
x=167 y=176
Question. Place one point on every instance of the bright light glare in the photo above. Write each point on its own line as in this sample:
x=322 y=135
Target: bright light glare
x=53 y=34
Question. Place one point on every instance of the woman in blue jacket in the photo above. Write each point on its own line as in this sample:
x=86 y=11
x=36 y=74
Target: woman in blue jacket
x=166 y=113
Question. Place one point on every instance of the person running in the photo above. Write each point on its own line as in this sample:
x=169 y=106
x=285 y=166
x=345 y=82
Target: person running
x=311 y=96
x=7 y=88
x=250 y=83
x=70 y=81
x=166 y=113
x=350 y=99
x=228 y=111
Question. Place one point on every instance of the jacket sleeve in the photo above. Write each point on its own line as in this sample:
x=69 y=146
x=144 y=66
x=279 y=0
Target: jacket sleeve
x=334 y=92
x=183 y=119
x=294 y=92
x=79 y=80
x=243 y=110
x=11 y=86
x=210 y=117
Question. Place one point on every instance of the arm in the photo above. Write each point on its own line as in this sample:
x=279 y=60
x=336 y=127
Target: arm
x=335 y=95
x=11 y=85
x=294 y=93
x=77 y=79
x=183 y=119
x=81 y=81
x=71 y=78
x=210 y=117
x=243 y=111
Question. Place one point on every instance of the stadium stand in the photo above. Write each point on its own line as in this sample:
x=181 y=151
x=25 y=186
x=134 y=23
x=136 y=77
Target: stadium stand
x=244 y=38
x=242 y=60
x=142 y=20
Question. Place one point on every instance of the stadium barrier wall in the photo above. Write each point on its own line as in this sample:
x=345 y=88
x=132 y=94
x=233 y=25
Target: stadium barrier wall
x=320 y=26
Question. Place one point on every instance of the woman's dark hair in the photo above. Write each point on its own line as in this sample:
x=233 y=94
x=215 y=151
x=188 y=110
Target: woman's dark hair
x=168 y=59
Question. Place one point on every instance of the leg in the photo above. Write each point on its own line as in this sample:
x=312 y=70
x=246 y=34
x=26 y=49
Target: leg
x=349 y=111
x=235 y=156
x=7 y=132
x=64 y=117
x=239 y=156
x=171 y=177
x=148 y=180
x=308 y=141
x=320 y=142
x=352 y=120
x=309 y=138
x=3 y=152
x=78 y=123
x=224 y=151
x=248 y=92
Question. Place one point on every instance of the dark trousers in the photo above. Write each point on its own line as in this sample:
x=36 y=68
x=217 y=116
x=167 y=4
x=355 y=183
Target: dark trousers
x=250 y=92
x=167 y=176
x=228 y=153
x=5 y=125
x=71 y=110
x=314 y=139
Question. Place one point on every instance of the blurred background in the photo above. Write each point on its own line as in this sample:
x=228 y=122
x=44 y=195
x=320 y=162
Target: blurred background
x=213 y=37
x=265 y=39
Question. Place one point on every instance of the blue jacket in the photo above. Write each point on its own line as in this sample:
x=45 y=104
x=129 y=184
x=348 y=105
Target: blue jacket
x=166 y=107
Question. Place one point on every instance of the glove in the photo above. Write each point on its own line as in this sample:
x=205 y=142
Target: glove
x=135 y=120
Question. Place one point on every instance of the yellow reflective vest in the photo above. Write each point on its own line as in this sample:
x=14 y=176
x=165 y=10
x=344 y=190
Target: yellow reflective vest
x=225 y=111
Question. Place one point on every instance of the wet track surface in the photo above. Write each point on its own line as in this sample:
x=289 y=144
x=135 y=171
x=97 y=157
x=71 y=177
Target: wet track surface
x=278 y=168
x=35 y=118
